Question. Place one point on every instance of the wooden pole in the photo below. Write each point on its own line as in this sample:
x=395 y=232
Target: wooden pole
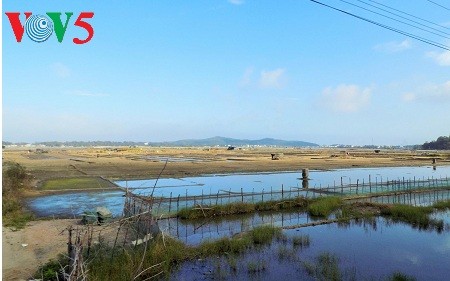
x=170 y=202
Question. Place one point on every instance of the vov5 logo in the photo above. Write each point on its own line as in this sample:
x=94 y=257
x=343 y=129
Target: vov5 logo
x=39 y=28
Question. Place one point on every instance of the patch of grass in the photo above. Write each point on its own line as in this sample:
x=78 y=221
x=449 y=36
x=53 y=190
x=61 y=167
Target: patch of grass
x=218 y=210
x=225 y=245
x=256 y=266
x=442 y=205
x=75 y=183
x=362 y=210
x=198 y=212
x=232 y=262
x=301 y=241
x=416 y=216
x=52 y=270
x=106 y=263
x=264 y=234
x=277 y=205
x=398 y=276
x=285 y=253
x=219 y=273
x=326 y=267
x=18 y=219
x=324 y=206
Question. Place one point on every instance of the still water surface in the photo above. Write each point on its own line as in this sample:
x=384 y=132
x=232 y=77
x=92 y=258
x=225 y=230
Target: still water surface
x=74 y=203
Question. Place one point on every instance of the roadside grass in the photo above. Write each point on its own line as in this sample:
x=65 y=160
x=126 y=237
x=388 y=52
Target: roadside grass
x=14 y=180
x=75 y=183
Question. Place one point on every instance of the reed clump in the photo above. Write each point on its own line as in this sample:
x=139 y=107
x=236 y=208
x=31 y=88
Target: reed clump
x=416 y=216
x=325 y=267
x=301 y=241
x=324 y=206
x=442 y=205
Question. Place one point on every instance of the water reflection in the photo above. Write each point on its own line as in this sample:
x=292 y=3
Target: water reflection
x=366 y=249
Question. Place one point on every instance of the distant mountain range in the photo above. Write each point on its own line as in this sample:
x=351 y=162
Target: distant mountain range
x=214 y=141
x=221 y=141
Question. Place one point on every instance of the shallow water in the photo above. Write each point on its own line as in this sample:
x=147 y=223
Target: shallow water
x=370 y=250
x=74 y=203
x=195 y=232
x=256 y=182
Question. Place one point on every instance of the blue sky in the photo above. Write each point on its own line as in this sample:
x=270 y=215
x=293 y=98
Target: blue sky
x=168 y=70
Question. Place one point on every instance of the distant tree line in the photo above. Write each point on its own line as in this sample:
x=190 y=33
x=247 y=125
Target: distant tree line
x=78 y=143
x=90 y=143
x=441 y=143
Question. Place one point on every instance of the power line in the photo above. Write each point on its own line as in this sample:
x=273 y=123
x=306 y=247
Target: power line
x=399 y=20
x=437 y=4
x=408 y=14
x=427 y=41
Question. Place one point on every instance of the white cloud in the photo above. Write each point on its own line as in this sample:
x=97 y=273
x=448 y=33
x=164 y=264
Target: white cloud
x=236 y=2
x=60 y=70
x=346 y=98
x=440 y=58
x=394 y=47
x=439 y=92
x=246 y=79
x=272 y=79
x=408 y=97
x=84 y=93
x=430 y=93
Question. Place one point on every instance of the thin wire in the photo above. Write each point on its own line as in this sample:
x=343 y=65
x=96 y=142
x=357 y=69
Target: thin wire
x=427 y=41
x=412 y=25
x=404 y=17
x=437 y=4
x=408 y=14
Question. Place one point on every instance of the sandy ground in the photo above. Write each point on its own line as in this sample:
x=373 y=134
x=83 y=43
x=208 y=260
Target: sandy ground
x=25 y=250
x=146 y=162
x=46 y=239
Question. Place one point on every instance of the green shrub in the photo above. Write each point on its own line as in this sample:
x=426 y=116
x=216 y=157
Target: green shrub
x=13 y=213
